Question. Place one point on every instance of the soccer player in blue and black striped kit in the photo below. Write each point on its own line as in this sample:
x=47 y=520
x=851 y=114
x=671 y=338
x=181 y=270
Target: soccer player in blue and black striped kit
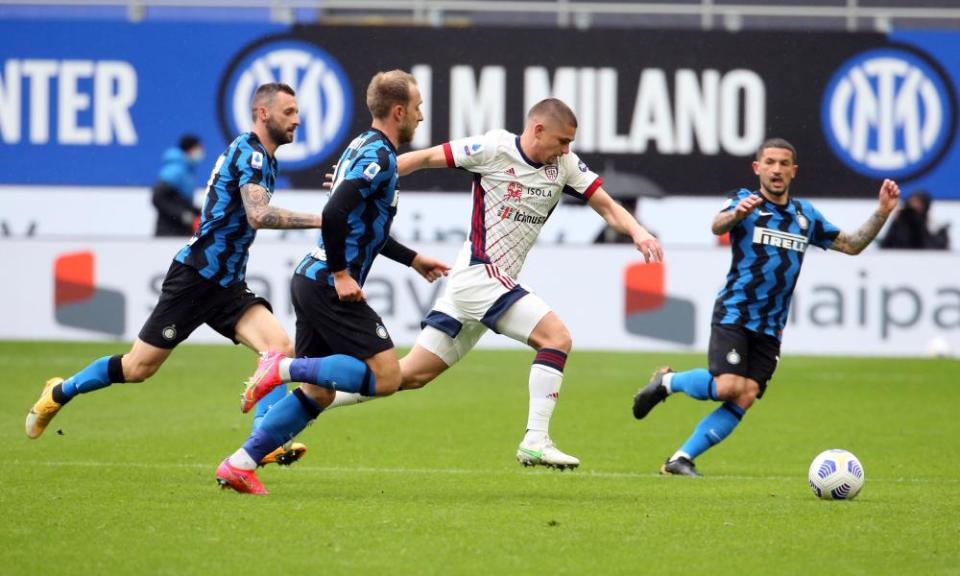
x=341 y=341
x=769 y=234
x=205 y=283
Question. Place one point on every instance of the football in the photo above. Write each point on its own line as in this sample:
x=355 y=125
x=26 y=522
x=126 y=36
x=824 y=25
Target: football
x=836 y=475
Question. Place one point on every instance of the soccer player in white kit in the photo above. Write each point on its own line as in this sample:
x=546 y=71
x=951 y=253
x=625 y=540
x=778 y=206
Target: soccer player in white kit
x=517 y=183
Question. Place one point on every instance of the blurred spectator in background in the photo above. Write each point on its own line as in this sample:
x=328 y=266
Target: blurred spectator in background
x=910 y=228
x=173 y=192
x=609 y=235
x=630 y=188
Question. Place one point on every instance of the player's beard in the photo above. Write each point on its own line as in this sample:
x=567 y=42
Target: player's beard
x=278 y=134
x=768 y=186
x=405 y=133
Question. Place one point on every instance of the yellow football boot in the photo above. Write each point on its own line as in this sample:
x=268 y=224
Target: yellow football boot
x=43 y=410
x=285 y=455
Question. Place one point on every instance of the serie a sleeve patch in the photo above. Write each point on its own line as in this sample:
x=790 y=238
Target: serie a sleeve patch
x=371 y=171
x=470 y=149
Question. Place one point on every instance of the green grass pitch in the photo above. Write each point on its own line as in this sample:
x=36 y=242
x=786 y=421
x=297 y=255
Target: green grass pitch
x=426 y=482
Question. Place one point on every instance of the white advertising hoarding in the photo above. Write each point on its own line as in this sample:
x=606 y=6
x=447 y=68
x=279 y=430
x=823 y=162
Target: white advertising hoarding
x=880 y=303
x=122 y=213
x=71 y=211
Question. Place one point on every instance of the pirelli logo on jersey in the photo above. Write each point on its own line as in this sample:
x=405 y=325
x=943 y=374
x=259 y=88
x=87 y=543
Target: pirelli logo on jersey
x=779 y=239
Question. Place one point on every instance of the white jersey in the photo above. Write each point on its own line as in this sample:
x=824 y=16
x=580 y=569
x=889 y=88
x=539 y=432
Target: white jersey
x=512 y=195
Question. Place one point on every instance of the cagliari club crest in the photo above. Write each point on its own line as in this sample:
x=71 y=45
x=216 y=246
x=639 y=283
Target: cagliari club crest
x=550 y=171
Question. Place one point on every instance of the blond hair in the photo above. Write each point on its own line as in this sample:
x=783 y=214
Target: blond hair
x=387 y=89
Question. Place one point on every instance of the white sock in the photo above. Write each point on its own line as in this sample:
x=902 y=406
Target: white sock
x=667 y=379
x=544 y=390
x=285 y=369
x=240 y=459
x=348 y=399
x=680 y=453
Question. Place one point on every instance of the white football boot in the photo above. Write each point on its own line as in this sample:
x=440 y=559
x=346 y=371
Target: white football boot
x=545 y=453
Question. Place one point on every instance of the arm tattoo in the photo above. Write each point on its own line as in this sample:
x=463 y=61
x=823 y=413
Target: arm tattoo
x=261 y=215
x=855 y=243
x=724 y=222
x=254 y=195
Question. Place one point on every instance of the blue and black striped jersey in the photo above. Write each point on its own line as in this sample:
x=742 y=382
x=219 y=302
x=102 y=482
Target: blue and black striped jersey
x=357 y=218
x=220 y=248
x=768 y=248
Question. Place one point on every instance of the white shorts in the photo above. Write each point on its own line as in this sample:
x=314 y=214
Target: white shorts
x=478 y=298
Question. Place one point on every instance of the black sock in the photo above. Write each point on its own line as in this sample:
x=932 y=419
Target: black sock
x=58 y=396
x=115 y=369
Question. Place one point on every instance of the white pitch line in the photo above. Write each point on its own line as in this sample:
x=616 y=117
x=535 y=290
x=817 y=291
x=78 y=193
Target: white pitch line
x=437 y=471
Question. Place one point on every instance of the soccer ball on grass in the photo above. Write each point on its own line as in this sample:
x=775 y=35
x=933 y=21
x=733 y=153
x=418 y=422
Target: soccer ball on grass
x=836 y=475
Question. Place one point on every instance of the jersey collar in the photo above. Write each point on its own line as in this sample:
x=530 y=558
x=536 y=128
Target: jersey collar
x=254 y=139
x=524 y=156
x=785 y=208
x=385 y=139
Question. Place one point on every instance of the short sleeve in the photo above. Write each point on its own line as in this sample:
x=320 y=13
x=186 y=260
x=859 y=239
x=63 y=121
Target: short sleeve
x=473 y=152
x=824 y=232
x=251 y=164
x=733 y=198
x=581 y=182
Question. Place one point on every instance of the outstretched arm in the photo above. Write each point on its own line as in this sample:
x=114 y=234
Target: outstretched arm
x=419 y=159
x=261 y=215
x=623 y=222
x=725 y=221
x=854 y=243
x=430 y=268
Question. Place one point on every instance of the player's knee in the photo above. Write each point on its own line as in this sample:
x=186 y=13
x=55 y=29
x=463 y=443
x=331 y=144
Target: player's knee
x=559 y=339
x=322 y=396
x=564 y=340
x=746 y=399
x=730 y=386
x=414 y=381
x=134 y=372
x=387 y=381
x=748 y=395
x=387 y=373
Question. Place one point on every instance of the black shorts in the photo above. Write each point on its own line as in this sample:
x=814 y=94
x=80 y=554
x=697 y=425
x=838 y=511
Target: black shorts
x=736 y=350
x=188 y=300
x=326 y=326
